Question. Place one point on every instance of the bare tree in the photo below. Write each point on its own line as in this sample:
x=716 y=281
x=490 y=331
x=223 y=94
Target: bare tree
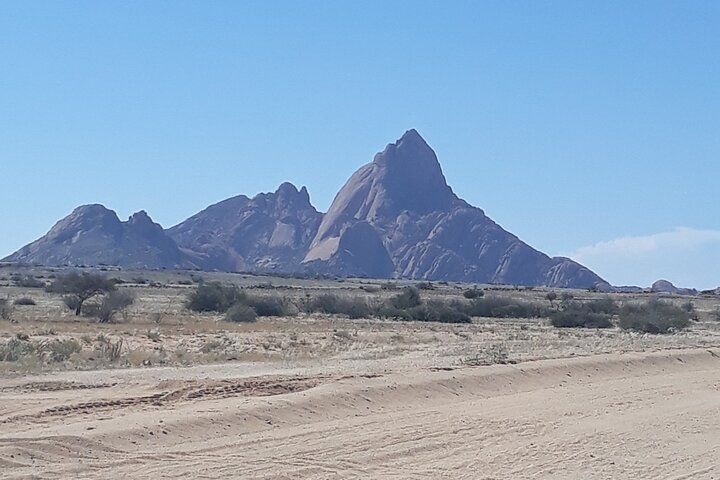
x=80 y=287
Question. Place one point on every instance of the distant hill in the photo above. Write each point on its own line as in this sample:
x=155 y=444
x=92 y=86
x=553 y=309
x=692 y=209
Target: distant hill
x=394 y=217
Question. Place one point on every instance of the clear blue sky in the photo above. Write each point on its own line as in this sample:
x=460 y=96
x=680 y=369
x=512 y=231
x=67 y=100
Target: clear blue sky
x=586 y=128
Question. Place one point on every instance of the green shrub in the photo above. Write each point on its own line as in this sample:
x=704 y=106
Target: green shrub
x=15 y=349
x=61 y=350
x=578 y=318
x=473 y=293
x=370 y=288
x=214 y=297
x=438 y=311
x=268 y=306
x=24 y=301
x=71 y=301
x=604 y=305
x=593 y=314
x=353 y=307
x=409 y=298
x=654 y=316
x=425 y=286
x=551 y=297
x=5 y=309
x=27 y=281
x=113 y=303
x=240 y=313
x=504 y=307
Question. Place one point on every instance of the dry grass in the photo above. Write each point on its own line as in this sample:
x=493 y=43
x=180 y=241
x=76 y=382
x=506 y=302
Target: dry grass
x=158 y=330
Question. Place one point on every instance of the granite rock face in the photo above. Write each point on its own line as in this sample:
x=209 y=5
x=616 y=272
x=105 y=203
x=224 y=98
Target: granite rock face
x=396 y=217
x=266 y=233
x=427 y=231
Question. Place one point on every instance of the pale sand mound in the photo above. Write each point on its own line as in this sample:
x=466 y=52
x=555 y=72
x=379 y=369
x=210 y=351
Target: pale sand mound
x=653 y=415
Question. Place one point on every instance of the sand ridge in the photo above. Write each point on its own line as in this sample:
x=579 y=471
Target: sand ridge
x=638 y=415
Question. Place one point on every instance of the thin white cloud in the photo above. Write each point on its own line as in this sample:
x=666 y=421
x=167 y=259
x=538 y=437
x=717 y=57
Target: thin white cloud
x=686 y=256
x=681 y=238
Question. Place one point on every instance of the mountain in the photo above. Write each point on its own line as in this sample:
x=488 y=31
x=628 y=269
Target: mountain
x=94 y=235
x=394 y=217
x=269 y=232
x=414 y=226
x=665 y=286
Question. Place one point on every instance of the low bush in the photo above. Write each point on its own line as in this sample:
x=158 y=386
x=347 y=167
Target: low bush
x=113 y=303
x=15 y=348
x=504 y=307
x=240 y=313
x=71 y=301
x=370 y=288
x=654 y=316
x=24 y=301
x=551 y=297
x=592 y=314
x=61 y=350
x=353 y=307
x=409 y=298
x=438 y=311
x=571 y=318
x=473 y=293
x=214 y=297
x=269 y=306
x=27 y=281
x=5 y=309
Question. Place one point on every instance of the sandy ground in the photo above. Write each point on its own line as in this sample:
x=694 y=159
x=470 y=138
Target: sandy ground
x=631 y=415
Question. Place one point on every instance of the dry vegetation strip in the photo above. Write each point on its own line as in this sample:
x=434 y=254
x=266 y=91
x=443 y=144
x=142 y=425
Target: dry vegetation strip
x=177 y=318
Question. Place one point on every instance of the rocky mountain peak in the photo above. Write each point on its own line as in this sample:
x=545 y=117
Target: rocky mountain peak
x=287 y=194
x=140 y=218
x=85 y=218
x=143 y=224
x=410 y=174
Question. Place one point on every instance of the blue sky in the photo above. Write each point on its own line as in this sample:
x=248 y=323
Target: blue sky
x=589 y=129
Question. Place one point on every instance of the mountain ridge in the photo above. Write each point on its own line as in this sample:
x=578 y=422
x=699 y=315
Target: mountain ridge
x=395 y=217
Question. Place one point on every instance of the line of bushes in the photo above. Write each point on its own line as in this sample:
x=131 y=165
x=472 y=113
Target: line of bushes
x=590 y=314
x=240 y=306
x=237 y=305
x=653 y=316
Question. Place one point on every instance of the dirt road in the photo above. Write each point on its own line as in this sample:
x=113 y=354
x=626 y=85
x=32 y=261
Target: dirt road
x=634 y=416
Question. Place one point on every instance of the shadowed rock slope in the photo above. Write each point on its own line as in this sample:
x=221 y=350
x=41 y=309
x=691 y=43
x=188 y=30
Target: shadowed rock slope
x=414 y=226
x=93 y=235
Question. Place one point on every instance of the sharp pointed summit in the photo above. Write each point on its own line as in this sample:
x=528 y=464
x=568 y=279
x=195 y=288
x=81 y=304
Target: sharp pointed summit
x=425 y=229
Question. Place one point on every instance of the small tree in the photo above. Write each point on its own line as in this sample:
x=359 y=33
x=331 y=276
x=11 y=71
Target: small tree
x=410 y=297
x=81 y=287
x=5 y=309
x=551 y=297
x=113 y=303
x=473 y=293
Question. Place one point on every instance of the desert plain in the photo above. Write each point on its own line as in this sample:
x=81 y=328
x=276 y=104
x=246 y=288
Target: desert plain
x=164 y=392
